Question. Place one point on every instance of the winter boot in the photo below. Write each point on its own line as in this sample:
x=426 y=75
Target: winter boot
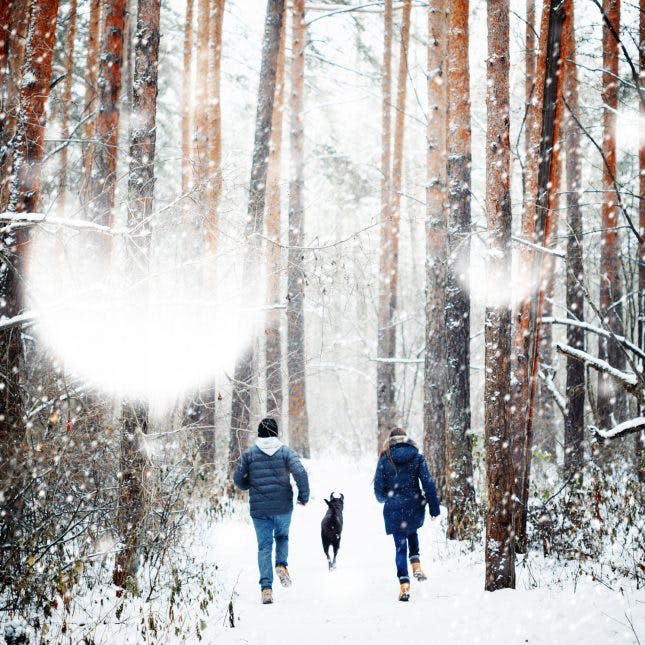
x=417 y=572
x=283 y=573
x=404 y=592
x=267 y=596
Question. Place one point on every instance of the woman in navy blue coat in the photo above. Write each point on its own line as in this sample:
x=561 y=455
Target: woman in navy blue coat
x=401 y=474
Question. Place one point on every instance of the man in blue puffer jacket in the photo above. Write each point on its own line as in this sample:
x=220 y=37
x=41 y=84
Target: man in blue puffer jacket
x=401 y=473
x=264 y=470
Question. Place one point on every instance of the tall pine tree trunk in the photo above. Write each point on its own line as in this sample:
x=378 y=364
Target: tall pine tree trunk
x=67 y=102
x=214 y=124
x=500 y=550
x=15 y=54
x=298 y=419
x=202 y=89
x=542 y=208
x=133 y=463
x=640 y=438
x=434 y=417
x=530 y=59
x=273 y=342
x=460 y=496
x=525 y=263
x=212 y=185
x=575 y=380
x=610 y=398
x=91 y=96
x=105 y=153
x=187 y=101
x=5 y=37
x=246 y=363
x=28 y=149
x=389 y=261
x=385 y=372
x=545 y=430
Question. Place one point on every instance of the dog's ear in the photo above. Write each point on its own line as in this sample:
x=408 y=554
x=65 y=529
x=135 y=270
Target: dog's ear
x=342 y=497
x=326 y=502
x=331 y=496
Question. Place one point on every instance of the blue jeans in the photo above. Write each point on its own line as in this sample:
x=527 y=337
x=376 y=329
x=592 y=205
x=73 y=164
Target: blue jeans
x=267 y=529
x=401 y=542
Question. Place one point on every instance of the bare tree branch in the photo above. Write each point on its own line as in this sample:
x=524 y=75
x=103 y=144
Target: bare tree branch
x=622 y=429
x=630 y=381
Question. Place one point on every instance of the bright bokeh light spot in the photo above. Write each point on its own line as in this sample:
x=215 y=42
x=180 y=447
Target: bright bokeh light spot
x=153 y=338
x=492 y=288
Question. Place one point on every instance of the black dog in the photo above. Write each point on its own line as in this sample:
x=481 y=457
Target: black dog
x=331 y=527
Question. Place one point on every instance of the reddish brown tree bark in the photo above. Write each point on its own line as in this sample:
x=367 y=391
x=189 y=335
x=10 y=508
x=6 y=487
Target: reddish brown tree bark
x=67 y=101
x=128 y=66
x=187 y=101
x=5 y=38
x=246 y=363
x=529 y=79
x=91 y=94
x=540 y=210
x=575 y=380
x=214 y=124
x=525 y=263
x=434 y=417
x=298 y=418
x=15 y=53
x=610 y=399
x=385 y=373
x=460 y=495
x=202 y=89
x=105 y=153
x=141 y=183
x=499 y=550
x=273 y=342
x=34 y=83
x=640 y=438
x=143 y=133
x=389 y=249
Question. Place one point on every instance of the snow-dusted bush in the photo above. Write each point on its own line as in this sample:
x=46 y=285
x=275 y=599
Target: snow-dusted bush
x=596 y=520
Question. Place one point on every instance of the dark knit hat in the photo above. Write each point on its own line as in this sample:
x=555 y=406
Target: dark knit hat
x=268 y=428
x=398 y=432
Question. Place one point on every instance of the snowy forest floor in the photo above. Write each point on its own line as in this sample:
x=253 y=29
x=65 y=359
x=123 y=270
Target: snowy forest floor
x=556 y=602
x=358 y=602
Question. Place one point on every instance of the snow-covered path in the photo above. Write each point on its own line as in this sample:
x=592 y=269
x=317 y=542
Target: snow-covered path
x=357 y=603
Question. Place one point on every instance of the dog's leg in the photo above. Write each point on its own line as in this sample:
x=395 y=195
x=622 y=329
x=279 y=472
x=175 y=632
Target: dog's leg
x=326 y=551
x=332 y=565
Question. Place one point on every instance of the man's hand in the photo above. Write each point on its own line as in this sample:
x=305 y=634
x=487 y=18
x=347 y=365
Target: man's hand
x=301 y=503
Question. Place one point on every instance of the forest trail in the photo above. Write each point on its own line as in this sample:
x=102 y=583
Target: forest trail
x=357 y=602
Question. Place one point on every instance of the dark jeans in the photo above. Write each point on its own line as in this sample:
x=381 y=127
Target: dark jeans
x=268 y=529
x=401 y=542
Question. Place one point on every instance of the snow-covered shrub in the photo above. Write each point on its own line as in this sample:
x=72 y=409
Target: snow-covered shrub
x=597 y=520
x=59 y=548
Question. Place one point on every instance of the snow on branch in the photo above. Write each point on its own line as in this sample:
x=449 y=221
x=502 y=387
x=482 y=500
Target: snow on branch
x=532 y=245
x=13 y=219
x=413 y=361
x=560 y=400
x=366 y=7
x=16 y=321
x=628 y=380
x=538 y=248
x=572 y=322
x=627 y=427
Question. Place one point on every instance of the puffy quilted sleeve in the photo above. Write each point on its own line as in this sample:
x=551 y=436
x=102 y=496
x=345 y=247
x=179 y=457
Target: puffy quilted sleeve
x=429 y=487
x=299 y=474
x=241 y=474
x=379 y=481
